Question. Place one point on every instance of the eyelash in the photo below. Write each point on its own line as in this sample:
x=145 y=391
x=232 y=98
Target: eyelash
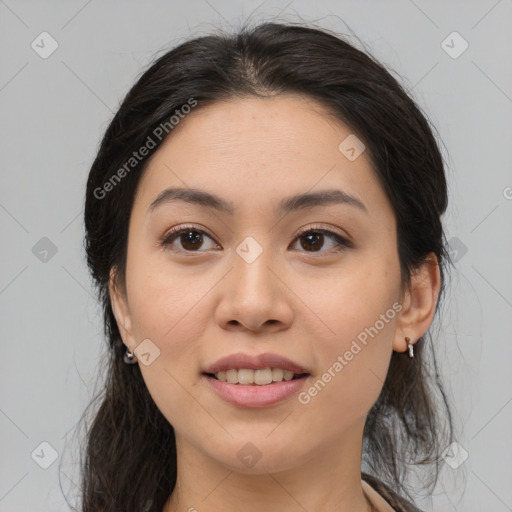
x=343 y=243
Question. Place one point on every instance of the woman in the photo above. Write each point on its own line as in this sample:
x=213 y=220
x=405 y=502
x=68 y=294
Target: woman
x=263 y=222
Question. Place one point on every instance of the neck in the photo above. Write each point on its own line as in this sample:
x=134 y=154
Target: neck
x=328 y=480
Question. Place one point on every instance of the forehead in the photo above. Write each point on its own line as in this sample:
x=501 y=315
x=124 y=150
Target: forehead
x=256 y=150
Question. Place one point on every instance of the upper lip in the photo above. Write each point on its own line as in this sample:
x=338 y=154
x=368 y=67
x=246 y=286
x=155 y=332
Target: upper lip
x=255 y=362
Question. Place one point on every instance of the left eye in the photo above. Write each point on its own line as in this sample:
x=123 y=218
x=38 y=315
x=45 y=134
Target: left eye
x=191 y=239
x=315 y=238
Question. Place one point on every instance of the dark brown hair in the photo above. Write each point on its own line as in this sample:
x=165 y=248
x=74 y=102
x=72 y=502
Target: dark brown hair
x=129 y=448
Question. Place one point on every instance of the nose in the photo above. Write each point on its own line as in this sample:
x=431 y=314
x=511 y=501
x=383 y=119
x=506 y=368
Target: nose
x=254 y=296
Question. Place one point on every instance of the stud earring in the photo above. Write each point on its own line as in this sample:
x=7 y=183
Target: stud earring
x=410 y=346
x=128 y=357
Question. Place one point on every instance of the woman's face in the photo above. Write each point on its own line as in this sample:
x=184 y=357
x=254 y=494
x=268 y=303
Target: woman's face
x=246 y=281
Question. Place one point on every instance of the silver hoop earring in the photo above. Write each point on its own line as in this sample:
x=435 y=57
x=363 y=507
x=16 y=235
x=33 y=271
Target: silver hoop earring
x=410 y=346
x=128 y=357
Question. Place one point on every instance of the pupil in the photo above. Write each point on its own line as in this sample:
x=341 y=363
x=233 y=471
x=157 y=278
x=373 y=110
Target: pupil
x=196 y=237
x=316 y=237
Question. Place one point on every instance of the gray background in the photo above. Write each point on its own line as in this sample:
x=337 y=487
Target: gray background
x=54 y=112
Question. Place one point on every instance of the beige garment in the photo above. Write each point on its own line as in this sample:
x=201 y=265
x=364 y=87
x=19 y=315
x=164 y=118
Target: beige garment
x=375 y=498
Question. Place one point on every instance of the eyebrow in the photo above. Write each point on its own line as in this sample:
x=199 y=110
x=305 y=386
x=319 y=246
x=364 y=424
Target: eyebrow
x=286 y=205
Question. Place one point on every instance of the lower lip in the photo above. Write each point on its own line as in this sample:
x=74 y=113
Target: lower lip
x=255 y=396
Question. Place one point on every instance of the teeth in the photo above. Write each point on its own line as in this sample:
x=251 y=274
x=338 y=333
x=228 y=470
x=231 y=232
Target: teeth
x=278 y=374
x=261 y=377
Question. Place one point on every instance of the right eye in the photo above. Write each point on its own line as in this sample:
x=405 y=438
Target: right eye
x=189 y=237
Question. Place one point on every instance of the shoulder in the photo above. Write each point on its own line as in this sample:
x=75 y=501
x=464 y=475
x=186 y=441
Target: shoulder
x=397 y=502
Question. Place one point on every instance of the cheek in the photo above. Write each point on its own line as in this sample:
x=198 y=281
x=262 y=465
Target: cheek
x=354 y=368
x=354 y=353
x=171 y=313
x=358 y=302
x=163 y=300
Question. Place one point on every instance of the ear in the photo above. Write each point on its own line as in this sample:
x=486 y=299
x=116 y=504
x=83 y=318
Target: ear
x=121 y=310
x=419 y=304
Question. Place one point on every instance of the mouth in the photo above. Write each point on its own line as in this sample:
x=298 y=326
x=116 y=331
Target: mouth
x=263 y=391
x=262 y=377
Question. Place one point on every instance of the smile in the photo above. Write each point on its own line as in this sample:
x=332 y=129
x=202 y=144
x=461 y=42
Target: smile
x=254 y=394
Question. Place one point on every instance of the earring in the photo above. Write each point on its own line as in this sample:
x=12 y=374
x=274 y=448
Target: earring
x=410 y=346
x=128 y=357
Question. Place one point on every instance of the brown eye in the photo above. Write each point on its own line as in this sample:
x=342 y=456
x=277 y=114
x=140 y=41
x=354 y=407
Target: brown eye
x=313 y=240
x=190 y=239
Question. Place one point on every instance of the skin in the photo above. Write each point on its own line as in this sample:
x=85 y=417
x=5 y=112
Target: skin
x=306 y=303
